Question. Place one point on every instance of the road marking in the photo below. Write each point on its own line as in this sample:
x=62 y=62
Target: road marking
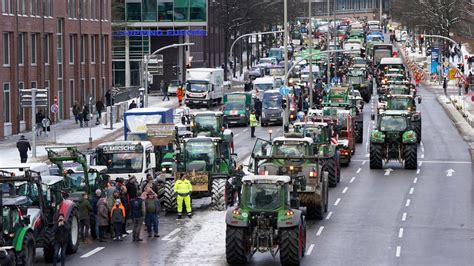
x=418 y=171
x=400 y=233
x=421 y=144
x=399 y=250
x=415 y=180
x=92 y=252
x=404 y=216
x=168 y=236
x=364 y=161
x=388 y=171
x=450 y=172
x=310 y=249
x=408 y=203
x=450 y=162
x=422 y=149
x=329 y=215
x=422 y=156
x=367 y=155
x=345 y=190
x=174 y=239
x=411 y=190
x=352 y=179
x=236 y=134
x=320 y=231
x=358 y=170
x=337 y=201
x=420 y=163
x=245 y=130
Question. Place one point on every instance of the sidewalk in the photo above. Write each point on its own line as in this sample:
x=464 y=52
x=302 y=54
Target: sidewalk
x=68 y=133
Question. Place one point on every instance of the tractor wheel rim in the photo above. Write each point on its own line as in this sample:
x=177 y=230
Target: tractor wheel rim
x=74 y=230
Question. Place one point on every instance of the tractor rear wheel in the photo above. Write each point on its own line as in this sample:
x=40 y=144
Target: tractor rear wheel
x=27 y=254
x=359 y=132
x=410 y=156
x=330 y=167
x=73 y=225
x=338 y=166
x=417 y=129
x=218 y=194
x=291 y=245
x=376 y=151
x=48 y=245
x=236 y=247
x=169 y=197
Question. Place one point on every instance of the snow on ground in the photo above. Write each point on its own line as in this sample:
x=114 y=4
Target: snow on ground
x=81 y=135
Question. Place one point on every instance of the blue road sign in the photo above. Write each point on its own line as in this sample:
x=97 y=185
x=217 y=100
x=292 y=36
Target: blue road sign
x=445 y=70
x=284 y=90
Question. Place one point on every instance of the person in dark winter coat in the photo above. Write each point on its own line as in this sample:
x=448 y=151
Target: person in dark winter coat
x=132 y=187
x=61 y=238
x=76 y=110
x=39 y=120
x=99 y=107
x=85 y=211
x=132 y=105
x=23 y=145
x=152 y=209
x=117 y=218
x=94 y=218
x=85 y=115
x=137 y=211
x=124 y=200
x=103 y=218
x=258 y=108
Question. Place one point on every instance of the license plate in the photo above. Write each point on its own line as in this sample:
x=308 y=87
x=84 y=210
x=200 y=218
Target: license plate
x=196 y=101
x=273 y=119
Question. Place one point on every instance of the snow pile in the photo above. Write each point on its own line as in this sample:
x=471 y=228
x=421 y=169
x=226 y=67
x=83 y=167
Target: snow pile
x=81 y=135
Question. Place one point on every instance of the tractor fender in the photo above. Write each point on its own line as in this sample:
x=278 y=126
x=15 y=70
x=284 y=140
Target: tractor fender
x=65 y=208
x=409 y=137
x=377 y=137
x=285 y=221
x=19 y=236
x=237 y=220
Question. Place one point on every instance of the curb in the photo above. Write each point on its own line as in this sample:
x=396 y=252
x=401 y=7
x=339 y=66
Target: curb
x=466 y=131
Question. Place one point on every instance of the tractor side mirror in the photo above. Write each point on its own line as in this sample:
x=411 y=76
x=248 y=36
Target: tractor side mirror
x=419 y=99
x=27 y=219
x=372 y=117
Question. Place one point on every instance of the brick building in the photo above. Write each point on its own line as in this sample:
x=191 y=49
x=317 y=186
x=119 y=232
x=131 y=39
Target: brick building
x=61 y=45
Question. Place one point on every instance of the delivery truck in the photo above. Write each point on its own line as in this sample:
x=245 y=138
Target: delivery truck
x=204 y=86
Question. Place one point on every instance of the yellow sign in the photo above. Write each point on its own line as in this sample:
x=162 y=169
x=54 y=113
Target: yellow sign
x=452 y=73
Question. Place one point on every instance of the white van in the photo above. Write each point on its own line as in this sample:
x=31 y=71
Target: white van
x=261 y=85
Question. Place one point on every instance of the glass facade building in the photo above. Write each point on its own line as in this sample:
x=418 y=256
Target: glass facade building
x=165 y=10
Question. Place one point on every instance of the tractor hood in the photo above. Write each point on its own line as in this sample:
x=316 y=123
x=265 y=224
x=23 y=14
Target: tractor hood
x=196 y=166
x=204 y=134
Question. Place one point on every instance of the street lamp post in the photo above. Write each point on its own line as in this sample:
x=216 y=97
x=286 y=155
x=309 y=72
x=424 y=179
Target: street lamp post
x=285 y=44
x=310 y=34
x=147 y=60
x=327 y=45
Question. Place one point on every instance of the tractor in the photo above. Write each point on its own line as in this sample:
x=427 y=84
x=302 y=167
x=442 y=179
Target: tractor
x=345 y=128
x=266 y=221
x=209 y=124
x=393 y=139
x=358 y=78
x=208 y=162
x=295 y=156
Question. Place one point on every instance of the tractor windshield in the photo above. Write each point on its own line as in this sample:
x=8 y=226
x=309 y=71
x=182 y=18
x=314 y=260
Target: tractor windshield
x=129 y=162
x=263 y=196
x=203 y=150
x=393 y=123
x=289 y=149
x=355 y=80
x=399 y=104
x=206 y=123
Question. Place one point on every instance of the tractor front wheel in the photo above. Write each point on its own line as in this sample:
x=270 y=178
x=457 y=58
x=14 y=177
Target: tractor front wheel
x=410 y=156
x=330 y=167
x=236 y=247
x=376 y=151
x=291 y=245
x=417 y=129
x=218 y=189
x=48 y=245
x=169 y=197
x=73 y=225
x=27 y=254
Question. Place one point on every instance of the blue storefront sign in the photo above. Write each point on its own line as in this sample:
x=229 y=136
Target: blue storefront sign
x=434 y=60
x=161 y=33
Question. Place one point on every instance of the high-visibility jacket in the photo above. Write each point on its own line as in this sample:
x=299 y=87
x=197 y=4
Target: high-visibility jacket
x=183 y=187
x=253 y=120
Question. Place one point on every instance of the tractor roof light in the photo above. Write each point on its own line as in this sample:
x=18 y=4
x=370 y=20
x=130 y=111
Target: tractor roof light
x=290 y=213
x=235 y=212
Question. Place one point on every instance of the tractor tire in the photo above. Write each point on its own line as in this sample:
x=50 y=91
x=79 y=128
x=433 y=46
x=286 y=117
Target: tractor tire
x=417 y=129
x=410 y=156
x=376 y=160
x=338 y=166
x=27 y=254
x=73 y=225
x=359 y=133
x=330 y=167
x=169 y=197
x=218 y=195
x=236 y=247
x=291 y=245
x=48 y=245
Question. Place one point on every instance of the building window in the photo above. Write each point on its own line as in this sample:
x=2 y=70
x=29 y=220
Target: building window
x=72 y=42
x=21 y=48
x=72 y=8
x=93 y=88
x=34 y=45
x=46 y=49
x=92 y=4
x=106 y=9
x=93 y=47
x=6 y=103
x=82 y=49
x=102 y=49
x=83 y=91
x=103 y=85
x=133 y=11
x=21 y=7
x=149 y=8
x=7 y=6
x=34 y=85
x=32 y=8
x=48 y=8
x=6 y=49
x=46 y=84
x=59 y=41
x=197 y=10
x=165 y=10
x=181 y=10
x=71 y=92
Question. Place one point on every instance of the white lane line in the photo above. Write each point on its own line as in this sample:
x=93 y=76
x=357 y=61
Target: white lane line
x=168 y=236
x=320 y=231
x=310 y=249
x=400 y=233
x=345 y=190
x=422 y=149
x=329 y=216
x=352 y=179
x=245 y=130
x=364 y=161
x=174 y=239
x=415 y=180
x=450 y=162
x=418 y=171
x=421 y=144
x=358 y=170
x=236 y=134
x=337 y=201
x=411 y=190
x=422 y=156
x=420 y=163
x=92 y=252
x=367 y=155
x=399 y=250
x=408 y=203
x=404 y=216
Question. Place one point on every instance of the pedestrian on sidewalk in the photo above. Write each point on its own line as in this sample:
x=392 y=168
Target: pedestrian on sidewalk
x=180 y=94
x=137 y=214
x=117 y=218
x=445 y=86
x=76 y=110
x=99 y=107
x=253 y=123
x=164 y=89
x=152 y=210
x=46 y=124
x=85 y=211
x=61 y=238
x=460 y=88
x=39 y=119
x=103 y=218
x=132 y=105
x=85 y=115
x=23 y=145
x=94 y=219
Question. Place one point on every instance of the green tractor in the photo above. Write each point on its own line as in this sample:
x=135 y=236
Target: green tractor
x=208 y=162
x=296 y=157
x=393 y=139
x=266 y=220
x=358 y=78
x=325 y=145
x=208 y=124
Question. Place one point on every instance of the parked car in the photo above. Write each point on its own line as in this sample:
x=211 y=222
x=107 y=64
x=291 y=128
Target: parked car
x=173 y=86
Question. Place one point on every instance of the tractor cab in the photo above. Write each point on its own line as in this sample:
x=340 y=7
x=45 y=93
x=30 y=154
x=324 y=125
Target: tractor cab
x=208 y=124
